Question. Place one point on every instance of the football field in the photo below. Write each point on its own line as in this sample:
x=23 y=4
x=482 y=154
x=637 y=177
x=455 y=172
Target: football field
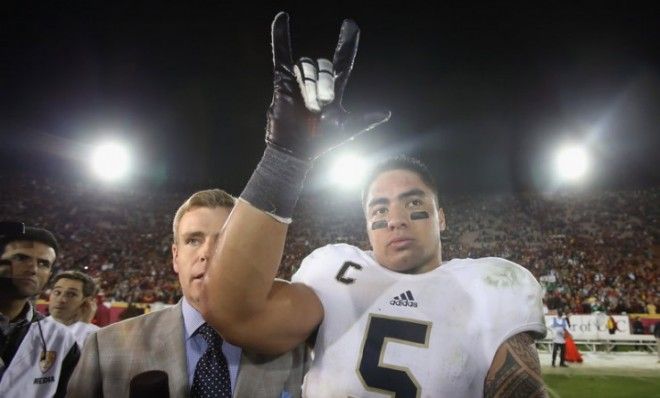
x=603 y=386
x=603 y=375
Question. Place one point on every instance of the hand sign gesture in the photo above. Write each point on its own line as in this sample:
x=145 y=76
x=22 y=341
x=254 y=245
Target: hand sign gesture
x=306 y=117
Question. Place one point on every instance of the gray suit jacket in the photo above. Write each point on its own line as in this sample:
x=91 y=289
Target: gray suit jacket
x=113 y=355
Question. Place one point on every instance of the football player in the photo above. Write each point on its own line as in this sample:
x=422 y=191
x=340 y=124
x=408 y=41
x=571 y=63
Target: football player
x=395 y=321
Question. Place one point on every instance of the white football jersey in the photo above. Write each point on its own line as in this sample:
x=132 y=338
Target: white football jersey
x=81 y=330
x=35 y=372
x=389 y=334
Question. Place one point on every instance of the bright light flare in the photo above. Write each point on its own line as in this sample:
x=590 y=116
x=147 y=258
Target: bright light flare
x=572 y=162
x=110 y=161
x=348 y=171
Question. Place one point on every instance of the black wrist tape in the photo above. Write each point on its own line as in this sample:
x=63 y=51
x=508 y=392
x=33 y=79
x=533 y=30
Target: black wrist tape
x=276 y=183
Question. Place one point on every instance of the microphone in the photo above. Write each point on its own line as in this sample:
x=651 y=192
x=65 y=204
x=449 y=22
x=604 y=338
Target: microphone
x=152 y=383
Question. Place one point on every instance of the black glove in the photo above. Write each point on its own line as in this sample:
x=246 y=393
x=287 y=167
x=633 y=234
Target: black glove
x=294 y=129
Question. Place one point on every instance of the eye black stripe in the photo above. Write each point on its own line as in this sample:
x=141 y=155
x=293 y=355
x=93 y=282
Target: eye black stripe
x=419 y=215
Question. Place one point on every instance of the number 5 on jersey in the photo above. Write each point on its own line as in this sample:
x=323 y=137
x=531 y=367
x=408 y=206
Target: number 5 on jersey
x=397 y=381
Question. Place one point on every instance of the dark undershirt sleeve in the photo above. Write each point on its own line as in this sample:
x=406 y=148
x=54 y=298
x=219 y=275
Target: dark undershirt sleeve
x=68 y=364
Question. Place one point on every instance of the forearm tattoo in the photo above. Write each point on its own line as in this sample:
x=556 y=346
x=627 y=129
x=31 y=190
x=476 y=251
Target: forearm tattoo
x=516 y=370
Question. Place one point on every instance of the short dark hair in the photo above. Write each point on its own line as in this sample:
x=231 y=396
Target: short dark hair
x=12 y=233
x=400 y=162
x=88 y=284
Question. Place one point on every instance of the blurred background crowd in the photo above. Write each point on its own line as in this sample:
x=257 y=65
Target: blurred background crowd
x=594 y=251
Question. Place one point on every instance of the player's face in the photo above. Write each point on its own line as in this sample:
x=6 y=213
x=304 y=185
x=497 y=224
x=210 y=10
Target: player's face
x=66 y=300
x=30 y=267
x=199 y=230
x=404 y=222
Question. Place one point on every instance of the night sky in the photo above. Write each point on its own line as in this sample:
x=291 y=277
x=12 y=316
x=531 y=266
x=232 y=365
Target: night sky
x=481 y=93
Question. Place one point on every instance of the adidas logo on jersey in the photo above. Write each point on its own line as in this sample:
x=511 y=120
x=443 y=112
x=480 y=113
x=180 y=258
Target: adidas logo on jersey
x=405 y=299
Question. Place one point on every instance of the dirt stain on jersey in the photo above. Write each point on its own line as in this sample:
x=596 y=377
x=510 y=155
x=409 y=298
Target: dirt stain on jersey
x=504 y=277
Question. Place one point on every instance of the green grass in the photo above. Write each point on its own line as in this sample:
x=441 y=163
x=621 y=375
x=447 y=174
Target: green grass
x=605 y=386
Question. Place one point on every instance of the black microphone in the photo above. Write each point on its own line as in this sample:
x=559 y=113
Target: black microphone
x=152 y=383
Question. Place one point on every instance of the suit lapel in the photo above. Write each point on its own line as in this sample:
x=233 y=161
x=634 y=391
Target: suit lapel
x=262 y=376
x=248 y=376
x=170 y=350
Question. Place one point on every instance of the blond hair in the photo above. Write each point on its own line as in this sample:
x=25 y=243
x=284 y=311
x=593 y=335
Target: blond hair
x=207 y=198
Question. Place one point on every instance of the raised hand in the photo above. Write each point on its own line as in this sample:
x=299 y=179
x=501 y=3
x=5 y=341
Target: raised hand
x=306 y=117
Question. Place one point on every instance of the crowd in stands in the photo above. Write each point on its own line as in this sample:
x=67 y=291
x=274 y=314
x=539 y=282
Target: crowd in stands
x=122 y=238
x=591 y=251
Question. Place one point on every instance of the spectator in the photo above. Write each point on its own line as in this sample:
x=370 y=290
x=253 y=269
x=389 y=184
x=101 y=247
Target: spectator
x=637 y=326
x=102 y=314
x=38 y=354
x=611 y=325
x=656 y=333
x=559 y=329
x=72 y=303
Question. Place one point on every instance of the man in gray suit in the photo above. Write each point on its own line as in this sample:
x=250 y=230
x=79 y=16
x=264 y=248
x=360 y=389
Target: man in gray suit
x=171 y=340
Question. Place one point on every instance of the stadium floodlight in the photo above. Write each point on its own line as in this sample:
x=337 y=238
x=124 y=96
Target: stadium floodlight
x=110 y=161
x=572 y=162
x=348 y=171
